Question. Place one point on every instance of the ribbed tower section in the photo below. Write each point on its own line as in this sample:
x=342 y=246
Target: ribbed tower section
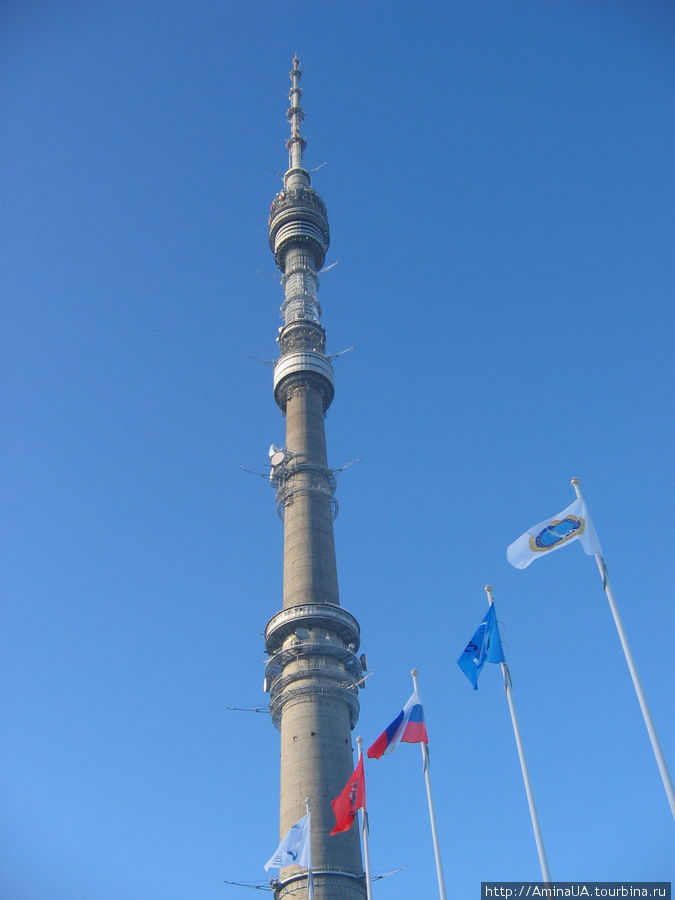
x=312 y=642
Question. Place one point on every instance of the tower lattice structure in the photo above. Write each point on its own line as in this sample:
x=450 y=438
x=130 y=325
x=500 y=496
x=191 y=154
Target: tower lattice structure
x=312 y=643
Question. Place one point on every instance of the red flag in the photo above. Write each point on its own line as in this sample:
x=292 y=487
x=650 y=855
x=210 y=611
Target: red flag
x=353 y=797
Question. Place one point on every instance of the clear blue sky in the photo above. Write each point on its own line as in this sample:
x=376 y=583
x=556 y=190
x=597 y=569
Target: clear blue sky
x=500 y=192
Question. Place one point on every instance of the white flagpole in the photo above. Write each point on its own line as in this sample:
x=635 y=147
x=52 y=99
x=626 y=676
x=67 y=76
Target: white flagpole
x=364 y=829
x=310 y=877
x=508 y=690
x=432 y=815
x=637 y=684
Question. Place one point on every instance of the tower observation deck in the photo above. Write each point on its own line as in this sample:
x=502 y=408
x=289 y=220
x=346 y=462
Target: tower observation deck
x=312 y=643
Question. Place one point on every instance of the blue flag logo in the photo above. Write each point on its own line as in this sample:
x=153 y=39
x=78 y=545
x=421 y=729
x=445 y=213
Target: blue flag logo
x=485 y=645
x=557 y=532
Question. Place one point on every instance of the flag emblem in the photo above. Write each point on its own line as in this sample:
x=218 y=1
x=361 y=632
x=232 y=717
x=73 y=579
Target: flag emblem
x=557 y=532
x=295 y=847
x=352 y=797
x=408 y=726
x=554 y=533
x=485 y=645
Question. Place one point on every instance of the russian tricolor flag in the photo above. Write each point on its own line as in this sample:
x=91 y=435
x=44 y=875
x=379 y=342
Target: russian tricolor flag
x=408 y=726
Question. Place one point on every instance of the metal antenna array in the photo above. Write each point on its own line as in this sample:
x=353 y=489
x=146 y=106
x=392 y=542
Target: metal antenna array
x=296 y=143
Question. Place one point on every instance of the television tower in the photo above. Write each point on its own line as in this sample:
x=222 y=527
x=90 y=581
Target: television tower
x=313 y=672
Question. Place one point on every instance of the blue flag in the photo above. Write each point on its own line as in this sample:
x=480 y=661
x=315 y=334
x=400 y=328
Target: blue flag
x=295 y=847
x=484 y=645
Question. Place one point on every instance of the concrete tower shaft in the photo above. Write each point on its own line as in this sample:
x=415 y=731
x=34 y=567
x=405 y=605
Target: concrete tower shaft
x=312 y=643
x=310 y=571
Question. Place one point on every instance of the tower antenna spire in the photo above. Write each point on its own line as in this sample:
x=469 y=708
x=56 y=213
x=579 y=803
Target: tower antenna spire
x=295 y=114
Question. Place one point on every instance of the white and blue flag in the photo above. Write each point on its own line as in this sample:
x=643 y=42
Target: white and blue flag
x=295 y=848
x=572 y=524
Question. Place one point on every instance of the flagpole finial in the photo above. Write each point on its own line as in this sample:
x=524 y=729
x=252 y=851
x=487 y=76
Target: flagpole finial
x=575 y=482
x=488 y=588
x=414 y=674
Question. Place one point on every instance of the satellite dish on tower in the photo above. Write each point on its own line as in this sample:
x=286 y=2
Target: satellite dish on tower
x=276 y=454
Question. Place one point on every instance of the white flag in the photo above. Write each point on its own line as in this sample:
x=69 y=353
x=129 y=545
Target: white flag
x=295 y=847
x=572 y=524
